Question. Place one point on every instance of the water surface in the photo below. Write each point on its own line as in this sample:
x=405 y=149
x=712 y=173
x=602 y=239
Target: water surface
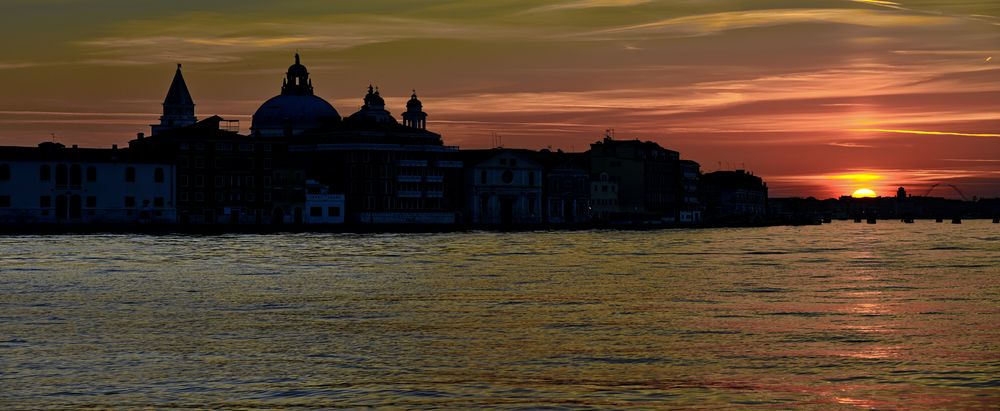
x=841 y=316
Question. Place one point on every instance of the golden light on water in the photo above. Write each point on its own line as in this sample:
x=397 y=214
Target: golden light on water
x=863 y=193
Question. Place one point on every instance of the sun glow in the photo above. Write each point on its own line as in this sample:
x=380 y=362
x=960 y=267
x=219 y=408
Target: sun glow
x=863 y=193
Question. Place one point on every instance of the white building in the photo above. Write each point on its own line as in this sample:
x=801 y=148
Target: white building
x=52 y=184
x=321 y=206
x=505 y=187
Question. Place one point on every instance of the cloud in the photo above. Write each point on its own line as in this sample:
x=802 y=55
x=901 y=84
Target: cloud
x=712 y=23
x=921 y=132
x=850 y=145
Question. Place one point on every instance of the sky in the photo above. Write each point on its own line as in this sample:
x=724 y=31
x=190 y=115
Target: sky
x=820 y=98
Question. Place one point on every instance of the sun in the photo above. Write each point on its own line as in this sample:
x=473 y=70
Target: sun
x=863 y=193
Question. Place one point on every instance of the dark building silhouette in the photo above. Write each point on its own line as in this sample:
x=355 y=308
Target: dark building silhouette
x=647 y=178
x=734 y=196
x=566 y=189
x=389 y=173
x=414 y=116
x=222 y=176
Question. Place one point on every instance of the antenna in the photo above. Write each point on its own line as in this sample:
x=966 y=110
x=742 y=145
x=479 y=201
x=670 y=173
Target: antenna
x=53 y=137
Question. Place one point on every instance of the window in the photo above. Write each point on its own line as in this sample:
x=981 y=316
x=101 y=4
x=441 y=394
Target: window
x=507 y=177
x=267 y=164
x=130 y=175
x=62 y=175
x=4 y=201
x=45 y=173
x=315 y=211
x=158 y=202
x=183 y=196
x=199 y=162
x=4 y=172
x=158 y=175
x=482 y=177
x=333 y=211
x=199 y=196
x=219 y=182
x=91 y=174
x=75 y=175
x=513 y=162
x=199 y=181
x=531 y=178
x=267 y=181
x=183 y=180
x=91 y=202
x=249 y=181
x=129 y=202
x=45 y=201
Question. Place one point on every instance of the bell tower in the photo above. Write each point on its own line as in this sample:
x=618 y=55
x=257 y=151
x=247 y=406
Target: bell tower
x=178 y=106
x=414 y=115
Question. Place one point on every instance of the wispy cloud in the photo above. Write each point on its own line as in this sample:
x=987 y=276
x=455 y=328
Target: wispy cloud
x=927 y=133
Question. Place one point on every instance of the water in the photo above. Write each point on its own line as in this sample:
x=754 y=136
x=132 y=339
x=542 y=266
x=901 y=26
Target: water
x=839 y=316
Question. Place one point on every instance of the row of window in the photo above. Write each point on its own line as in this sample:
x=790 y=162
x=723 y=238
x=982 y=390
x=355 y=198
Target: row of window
x=236 y=162
x=89 y=202
x=220 y=196
x=225 y=146
x=74 y=174
x=330 y=211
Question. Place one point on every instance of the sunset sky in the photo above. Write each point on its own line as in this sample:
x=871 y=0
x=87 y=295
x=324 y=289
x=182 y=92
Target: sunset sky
x=818 y=97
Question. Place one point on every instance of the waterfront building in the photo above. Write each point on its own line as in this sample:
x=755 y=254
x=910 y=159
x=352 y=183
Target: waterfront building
x=503 y=187
x=567 y=187
x=734 y=195
x=323 y=207
x=647 y=176
x=389 y=173
x=690 y=207
x=223 y=177
x=52 y=184
x=603 y=198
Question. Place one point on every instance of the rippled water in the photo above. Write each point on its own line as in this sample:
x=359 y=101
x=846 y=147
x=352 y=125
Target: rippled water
x=837 y=316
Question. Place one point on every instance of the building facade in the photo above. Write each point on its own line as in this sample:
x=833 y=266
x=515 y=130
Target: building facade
x=52 y=184
x=503 y=187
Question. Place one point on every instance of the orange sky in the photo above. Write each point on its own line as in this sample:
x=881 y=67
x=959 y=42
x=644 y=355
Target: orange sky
x=800 y=92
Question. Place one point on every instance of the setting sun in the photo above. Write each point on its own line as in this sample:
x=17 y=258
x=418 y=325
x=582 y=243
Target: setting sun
x=863 y=193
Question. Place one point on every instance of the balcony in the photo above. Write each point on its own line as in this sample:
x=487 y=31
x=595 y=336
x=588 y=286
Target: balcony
x=449 y=164
x=413 y=163
x=435 y=194
x=409 y=179
x=409 y=194
x=435 y=179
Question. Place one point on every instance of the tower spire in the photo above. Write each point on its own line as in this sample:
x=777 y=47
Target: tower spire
x=178 y=106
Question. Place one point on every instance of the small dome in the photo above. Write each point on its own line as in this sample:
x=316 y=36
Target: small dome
x=292 y=112
x=414 y=104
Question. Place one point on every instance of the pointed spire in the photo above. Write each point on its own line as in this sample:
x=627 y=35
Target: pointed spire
x=297 y=58
x=178 y=94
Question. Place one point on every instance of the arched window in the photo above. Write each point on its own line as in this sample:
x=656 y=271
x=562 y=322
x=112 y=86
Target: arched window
x=482 y=177
x=91 y=174
x=4 y=172
x=531 y=178
x=158 y=175
x=130 y=174
x=75 y=175
x=44 y=172
x=62 y=176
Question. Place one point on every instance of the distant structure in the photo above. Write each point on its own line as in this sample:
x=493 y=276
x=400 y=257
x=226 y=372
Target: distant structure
x=734 y=195
x=414 y=115
x=178 y=106
x=295 y=110
x=373 y=110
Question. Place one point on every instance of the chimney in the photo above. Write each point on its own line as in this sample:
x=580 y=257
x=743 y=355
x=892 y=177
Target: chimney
x=140 y=135
x=74 y=146
x=114 y=146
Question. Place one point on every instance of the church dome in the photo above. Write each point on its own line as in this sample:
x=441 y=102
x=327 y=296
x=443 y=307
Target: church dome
x=292 y=112
x=295 y=110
